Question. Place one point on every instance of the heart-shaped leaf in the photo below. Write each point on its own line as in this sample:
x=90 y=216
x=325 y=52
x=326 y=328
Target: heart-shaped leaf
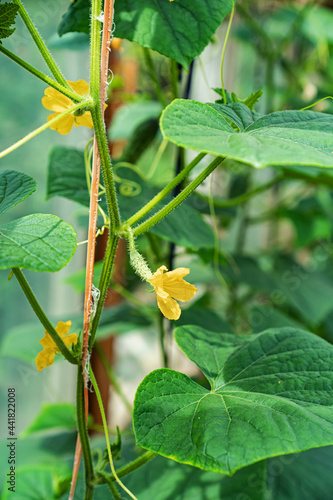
x=39 y=242
x=14 y=188
x=271 y=394
x=281 y=138
x=179 y=30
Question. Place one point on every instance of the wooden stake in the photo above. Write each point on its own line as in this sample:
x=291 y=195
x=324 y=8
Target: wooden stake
x=93 y=214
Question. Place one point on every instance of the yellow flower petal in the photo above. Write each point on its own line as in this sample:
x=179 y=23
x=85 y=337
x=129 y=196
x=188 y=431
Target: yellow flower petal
x=157 y=275
x=177 y=287
x=46 y=357
x=168 y=306
x=81 y=87
x=63 y=328
x=169 y=286
x=55 y=101
x=84 y=120
x=63 y=126
x=70 y=339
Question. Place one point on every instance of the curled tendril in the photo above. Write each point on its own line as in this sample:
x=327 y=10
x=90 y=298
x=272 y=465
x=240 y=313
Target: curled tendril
x=132 y=188
x=128 y=187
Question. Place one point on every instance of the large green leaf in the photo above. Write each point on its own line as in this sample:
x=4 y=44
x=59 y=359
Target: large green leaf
x=14 y=188
x=179 y=30
x=158 y=24
x=281 y=138
x=271 y=394
x=39 y=242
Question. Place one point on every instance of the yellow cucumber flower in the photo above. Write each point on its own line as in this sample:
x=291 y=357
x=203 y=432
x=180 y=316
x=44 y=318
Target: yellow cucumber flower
x=46 y=357
x=56 y=101
x=170 y=286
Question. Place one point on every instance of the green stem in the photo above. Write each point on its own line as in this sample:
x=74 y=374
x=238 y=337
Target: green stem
x=34 y=133
x=113 y=489
x=165 y=191
x=84 y=439
x=224 y=49
x=100 y=404
x=153 y=76
x=96 y=113
x=42 y=316
x=138 y=462
x=112 y=376
x=129 y=468
x=95 y=52
x=103 y=284
x=244 y=197
x=178 y=199
x=41 y=46
x=46 y=79
x=108 y=175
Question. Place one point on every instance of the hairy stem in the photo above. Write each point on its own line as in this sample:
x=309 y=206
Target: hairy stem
x=41 y=45
x=104 y=282
x=34 y=71
x=83 y=433
x=178 y=199
x=165 y=191
x=136 y=464
x=47 y=125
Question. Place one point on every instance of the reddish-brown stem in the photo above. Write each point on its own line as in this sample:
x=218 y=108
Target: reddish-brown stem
x=93 y=214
